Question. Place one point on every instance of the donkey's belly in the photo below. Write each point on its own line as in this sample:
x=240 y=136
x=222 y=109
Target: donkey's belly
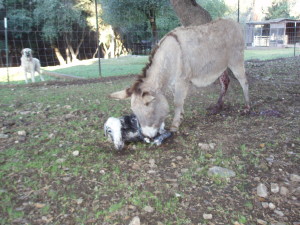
x=205 y=80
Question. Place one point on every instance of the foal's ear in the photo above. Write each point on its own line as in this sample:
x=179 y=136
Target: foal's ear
x=147 y=98
x=121 y=94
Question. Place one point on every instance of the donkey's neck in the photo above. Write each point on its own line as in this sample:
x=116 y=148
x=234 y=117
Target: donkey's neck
x=156 y=80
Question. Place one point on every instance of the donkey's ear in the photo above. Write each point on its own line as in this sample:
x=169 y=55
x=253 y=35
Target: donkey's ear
x=147 y=98
x=121 y=94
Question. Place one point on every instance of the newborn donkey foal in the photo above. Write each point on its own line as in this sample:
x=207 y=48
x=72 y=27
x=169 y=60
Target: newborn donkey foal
x=127 y=129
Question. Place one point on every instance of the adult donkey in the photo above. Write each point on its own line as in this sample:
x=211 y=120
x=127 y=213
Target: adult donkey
x=190 y=13
x=195 y=54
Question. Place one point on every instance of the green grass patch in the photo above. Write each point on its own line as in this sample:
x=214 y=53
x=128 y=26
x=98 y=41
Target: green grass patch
x=121 y=66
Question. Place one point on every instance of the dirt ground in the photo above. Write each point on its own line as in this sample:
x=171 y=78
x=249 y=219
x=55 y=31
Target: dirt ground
x=262 y=148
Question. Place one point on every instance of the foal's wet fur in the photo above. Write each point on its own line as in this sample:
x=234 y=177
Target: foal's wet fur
x=122 y=130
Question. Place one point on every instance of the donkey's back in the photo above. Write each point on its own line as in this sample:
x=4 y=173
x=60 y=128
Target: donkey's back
x=208 y=50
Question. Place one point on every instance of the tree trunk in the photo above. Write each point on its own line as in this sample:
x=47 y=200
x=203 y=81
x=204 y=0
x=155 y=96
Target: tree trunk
x=152 y=19
x=80 y=43
x=111 y=49
x=59 y=56
x=67 y=50
x=68 y=55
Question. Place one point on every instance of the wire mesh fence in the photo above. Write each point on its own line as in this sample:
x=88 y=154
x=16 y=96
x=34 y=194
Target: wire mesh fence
x=65 y=36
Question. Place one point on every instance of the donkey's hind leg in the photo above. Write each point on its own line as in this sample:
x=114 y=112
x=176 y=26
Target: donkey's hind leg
x=224 y=81
x=239 y=72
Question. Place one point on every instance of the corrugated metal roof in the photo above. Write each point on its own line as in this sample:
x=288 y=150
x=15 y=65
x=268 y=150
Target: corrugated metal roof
x=278 y=20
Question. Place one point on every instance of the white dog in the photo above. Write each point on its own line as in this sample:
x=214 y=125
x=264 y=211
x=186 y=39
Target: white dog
x=30 y=64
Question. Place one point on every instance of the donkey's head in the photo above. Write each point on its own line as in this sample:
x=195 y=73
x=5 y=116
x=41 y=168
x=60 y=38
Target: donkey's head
x=150 y=108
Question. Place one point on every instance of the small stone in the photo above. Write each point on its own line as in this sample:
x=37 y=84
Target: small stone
x=184 y=170
x=207 y=216
x=262 y=222
x=152 y=161
x=67 y=107
x=179 y=158
x=222 y=172
x=75 y=153
x=69 y=116
x=272 y=206
x=22 y=133
x=79 y=201
x=297 y=191
x=270 y=159
x=284 y=191
x=3 y=136
x=212 y=145
x=274 y=188
x=262 y=190
x=39 y=205
x=265 y=205
x=148 y=209
x=178 y=195
x=135 y=221
x=256 y=179
x=135 y=166
x=204 y=146
x=200 y=169
x=295 y=178
x=132 y=207
x=66 y=179
x=25 y=113
x=279 y=213
x=151 y=172
x=61 y=160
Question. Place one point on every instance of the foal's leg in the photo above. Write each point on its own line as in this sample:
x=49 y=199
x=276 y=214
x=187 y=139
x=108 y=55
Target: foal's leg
x=224 y=81
x=181 y=90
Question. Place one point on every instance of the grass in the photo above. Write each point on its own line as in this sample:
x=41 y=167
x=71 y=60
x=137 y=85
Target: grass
x=266 y=53
x=123 y=66
x=41 y=178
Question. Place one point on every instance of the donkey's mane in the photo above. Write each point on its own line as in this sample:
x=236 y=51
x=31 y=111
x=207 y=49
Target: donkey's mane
x=135 y=88
x=194 y=2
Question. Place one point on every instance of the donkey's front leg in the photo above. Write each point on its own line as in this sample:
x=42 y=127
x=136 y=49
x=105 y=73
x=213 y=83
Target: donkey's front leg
x=178 y=117
x=180 y=94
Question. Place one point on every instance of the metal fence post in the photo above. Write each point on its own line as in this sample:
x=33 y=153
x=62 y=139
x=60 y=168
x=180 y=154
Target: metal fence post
x=6 y=47
x=295 y=39
x=98 y=33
